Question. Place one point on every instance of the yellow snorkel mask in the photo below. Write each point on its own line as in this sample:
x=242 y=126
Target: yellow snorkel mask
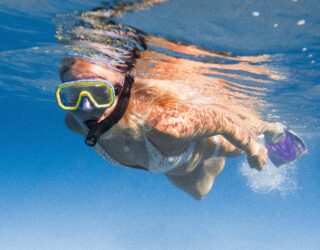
x=101 y=93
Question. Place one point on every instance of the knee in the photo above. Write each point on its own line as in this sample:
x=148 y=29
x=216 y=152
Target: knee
x=200 y=190
x=199 y=194
x=194 y=186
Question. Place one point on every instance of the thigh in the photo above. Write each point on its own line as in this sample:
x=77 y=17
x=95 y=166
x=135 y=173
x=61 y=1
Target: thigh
x=200 y=181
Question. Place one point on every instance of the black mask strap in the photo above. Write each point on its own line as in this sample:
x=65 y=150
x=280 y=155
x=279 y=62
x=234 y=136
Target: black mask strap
x=97 y=129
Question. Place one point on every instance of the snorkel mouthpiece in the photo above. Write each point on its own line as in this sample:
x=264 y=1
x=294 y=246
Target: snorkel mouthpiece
x=97 y=129
x=94 y=133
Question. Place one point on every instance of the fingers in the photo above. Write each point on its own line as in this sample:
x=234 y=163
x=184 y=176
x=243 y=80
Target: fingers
x=257 y=161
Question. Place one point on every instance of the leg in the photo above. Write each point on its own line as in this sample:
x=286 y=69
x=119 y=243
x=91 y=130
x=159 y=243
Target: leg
x=199 y=182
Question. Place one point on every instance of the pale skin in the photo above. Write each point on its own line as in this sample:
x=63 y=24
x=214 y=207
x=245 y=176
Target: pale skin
x=172 y=130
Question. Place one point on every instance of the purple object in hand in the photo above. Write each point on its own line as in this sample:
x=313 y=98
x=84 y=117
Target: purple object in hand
x=288 y=149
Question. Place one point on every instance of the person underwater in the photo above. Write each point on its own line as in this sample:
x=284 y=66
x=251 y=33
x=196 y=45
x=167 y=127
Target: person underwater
x=145 y=110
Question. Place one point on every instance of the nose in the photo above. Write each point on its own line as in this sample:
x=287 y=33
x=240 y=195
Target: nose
x=86 y=104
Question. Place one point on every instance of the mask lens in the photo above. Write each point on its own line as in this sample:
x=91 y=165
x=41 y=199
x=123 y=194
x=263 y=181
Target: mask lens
x=101 y=94
x=69 y=96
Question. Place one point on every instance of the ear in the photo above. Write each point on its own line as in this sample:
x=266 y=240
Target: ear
x=73 y=125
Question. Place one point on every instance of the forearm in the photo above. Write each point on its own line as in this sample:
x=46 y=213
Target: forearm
x=226 y=149
x=230 y=128
x=189 y=121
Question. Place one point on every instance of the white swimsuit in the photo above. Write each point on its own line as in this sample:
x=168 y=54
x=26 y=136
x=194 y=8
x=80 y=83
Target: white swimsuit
x=159 y=163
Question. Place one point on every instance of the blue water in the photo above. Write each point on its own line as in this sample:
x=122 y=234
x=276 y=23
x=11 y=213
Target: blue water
x=56 y=193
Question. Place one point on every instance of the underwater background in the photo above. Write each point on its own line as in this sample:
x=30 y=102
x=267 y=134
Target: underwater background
x=56 y=193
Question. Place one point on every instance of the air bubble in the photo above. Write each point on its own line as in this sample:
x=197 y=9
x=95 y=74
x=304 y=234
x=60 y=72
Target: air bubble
x=256 y=13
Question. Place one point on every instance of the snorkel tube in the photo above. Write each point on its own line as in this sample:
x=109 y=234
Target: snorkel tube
x=97 y=129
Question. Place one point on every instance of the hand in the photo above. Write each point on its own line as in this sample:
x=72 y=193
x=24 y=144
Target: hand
x=259 y=159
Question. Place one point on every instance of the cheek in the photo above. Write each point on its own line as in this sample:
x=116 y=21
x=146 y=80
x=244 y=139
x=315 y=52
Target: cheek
x=81 y=116
x=107 y=112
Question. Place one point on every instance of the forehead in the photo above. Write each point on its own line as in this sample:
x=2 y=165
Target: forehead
x=79 y=68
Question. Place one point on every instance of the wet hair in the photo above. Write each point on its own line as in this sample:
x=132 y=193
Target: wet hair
x=123 y=49
x=65 y=66
x=112 y=46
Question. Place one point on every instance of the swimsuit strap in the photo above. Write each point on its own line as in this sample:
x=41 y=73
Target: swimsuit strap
x=217 y=148
x=160 y=163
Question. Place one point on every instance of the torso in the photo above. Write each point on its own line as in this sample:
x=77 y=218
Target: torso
x=130 y=152
x=125 y=150
x=133 y=153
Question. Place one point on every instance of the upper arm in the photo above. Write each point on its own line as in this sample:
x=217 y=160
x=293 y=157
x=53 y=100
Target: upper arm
x=180 y=120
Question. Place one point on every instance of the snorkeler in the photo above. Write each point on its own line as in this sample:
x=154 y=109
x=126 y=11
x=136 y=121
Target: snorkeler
x=156 y=118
